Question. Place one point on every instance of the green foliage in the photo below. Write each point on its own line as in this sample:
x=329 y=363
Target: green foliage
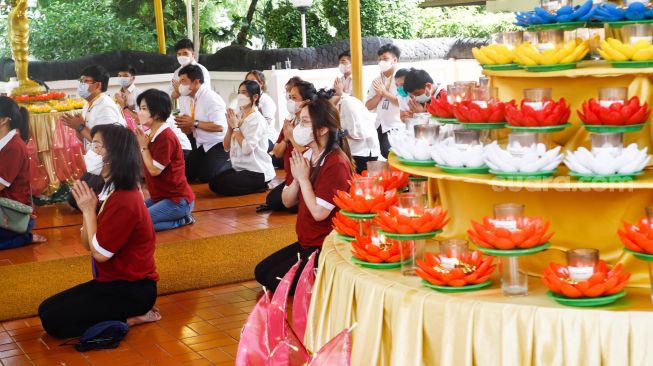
x=283 y=27
x=462 y=21
x=382 y=18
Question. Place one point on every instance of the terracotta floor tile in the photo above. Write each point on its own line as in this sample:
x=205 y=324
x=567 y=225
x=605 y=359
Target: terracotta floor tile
x=15 y=324
x=218 y=341
x=11 y=353
x=175 y=347
x=178 y=359
x=16 y=361
x=33 y=345
x=216 y=355
x=8 y=346
x=202 y=328
x=231 y=349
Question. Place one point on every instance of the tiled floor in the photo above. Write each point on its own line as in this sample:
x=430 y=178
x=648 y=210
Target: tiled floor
x=200 y=327
x=215 y=215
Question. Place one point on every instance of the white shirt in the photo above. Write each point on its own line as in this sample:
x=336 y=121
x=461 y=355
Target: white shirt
x=132 y=94
x=252 y=153
x=359 y=122
x=207 y=76
x=103 y=111
x=387 y=114
x=206 y=106
x=347 y=84
x=181 y=136
x=268 y=109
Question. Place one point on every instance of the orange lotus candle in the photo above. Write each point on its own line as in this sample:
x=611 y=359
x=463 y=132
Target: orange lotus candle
x=452 y=251
x=581 y=263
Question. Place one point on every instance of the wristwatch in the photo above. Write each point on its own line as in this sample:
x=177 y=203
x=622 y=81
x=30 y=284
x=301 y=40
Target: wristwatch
x=196 y=124
x=235 y=129
x=80 y=127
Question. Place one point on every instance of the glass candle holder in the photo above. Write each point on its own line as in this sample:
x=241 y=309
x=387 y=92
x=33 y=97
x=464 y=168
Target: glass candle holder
x=451 y=251
x=496 y=38
x=512 y=39
x=376 y=237
x=422 y=118
x=411 y=250
x=649 y=214
x=537 y=98
x=549 y=39
x=611 y=142
x=633 y=33
x=427 y=132
x=507 y=214
x=514 y=276
x=483 y=82
x=520 y=142
x=464 y=138
x=581 y=263
x=458 y=93
x=610 y=96
x=419 y=187
x=367 y=187
x=377 y=168
x=480 y=96
x=411 y=204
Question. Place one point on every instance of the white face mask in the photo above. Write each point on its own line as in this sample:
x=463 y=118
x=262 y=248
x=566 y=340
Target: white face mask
x=82 y=90
x=303 y=135
x=144 y=117
x=292 y=106
x=94 y=162
x=385 y=65
x=125 y=82
x=184 y=90
x=184 y=60
x=344 y=68
x=243 y=100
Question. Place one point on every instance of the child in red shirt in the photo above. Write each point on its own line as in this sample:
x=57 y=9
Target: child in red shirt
x=323 y=169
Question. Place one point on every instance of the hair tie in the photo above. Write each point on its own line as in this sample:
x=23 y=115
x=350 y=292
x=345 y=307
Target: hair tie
x=342 y=133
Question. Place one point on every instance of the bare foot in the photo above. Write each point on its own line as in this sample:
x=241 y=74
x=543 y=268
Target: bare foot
x=36 y=238
x=149 y=317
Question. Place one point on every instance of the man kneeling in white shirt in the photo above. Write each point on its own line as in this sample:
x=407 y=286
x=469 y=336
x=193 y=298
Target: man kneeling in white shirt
x=202 y=113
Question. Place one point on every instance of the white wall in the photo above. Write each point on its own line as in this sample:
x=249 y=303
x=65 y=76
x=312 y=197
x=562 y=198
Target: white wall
x=226 y=82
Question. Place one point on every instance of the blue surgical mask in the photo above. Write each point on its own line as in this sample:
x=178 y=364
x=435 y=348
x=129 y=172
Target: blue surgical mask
x=401 y=91
x=82 y=90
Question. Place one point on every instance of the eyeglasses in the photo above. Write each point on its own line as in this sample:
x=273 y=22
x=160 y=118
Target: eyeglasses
x=87 y=81
x=96 y=145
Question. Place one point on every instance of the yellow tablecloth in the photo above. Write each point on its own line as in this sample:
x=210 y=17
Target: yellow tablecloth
x=577 y=86
x=582 y=214
x=400 y=322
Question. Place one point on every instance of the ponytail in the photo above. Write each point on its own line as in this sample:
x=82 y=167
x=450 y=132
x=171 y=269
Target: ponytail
x=23 y=126
x=18 y=116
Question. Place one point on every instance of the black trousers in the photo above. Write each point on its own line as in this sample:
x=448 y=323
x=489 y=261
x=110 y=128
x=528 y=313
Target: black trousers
x=361 y=162
x=203 y=166
x=384 y=142
x=274 y=201
x=280 y=262
x=238 y=183
x=68 y=314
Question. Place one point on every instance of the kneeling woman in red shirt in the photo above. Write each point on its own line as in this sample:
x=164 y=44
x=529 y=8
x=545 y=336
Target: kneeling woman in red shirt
x=323 y=169
x=171 y=198
x=121 y=240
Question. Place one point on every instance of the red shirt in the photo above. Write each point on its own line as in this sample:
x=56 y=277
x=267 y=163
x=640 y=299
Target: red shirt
x=334 y=175
x=166 y=152
x=286 y=157
x=125 y=234
x=14 y=169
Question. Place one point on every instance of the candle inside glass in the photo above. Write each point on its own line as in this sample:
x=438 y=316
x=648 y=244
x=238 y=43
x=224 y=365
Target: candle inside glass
x=480 y=96
x=520 y=142
x=506 y=215
x=411 y=204
x=633 y=33
x=611 y=142
x=610 y=96
x=451 y=252
x=512 y=39
x=377 y=238
x=581 y=263
x=418 y=187
x=465 y=138
x=367 y=187
x=458 y=93
x=549 y=39
x=379 y=169
x=537 y=98
x=427 y=133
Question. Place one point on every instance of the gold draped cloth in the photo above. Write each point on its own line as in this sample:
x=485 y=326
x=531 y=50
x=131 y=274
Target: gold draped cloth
x=401 y=322
x=57 y=154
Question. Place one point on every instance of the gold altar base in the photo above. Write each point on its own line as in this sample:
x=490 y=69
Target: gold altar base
x=28 y=87
x=403 y=323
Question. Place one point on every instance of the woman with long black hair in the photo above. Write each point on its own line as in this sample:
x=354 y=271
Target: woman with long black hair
x=246 y=142
x=14 y=169
x=121 y=239
x=323 y=169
